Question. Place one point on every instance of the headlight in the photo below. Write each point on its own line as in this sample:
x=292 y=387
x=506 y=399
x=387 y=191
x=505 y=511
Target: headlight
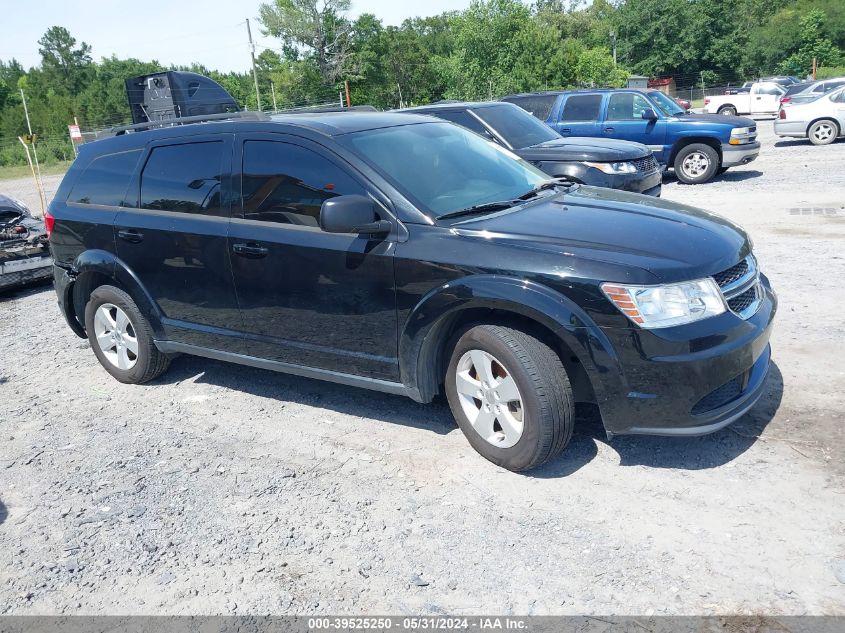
x=614 y=168
x=665 y=306
x=741 y=136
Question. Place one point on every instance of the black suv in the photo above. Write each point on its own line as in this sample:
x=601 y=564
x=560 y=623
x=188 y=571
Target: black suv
x=411 y=256
x=591 y=161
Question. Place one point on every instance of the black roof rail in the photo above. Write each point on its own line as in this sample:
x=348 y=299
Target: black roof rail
x=326 y=109
x=201 y=118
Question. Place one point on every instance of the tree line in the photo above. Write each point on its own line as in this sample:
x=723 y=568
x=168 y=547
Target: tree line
x=492 y=48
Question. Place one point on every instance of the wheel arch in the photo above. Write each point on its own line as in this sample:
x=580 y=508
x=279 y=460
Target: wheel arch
x=96 y=268
x=825 y=118
x=686 y=141
x=550 y=316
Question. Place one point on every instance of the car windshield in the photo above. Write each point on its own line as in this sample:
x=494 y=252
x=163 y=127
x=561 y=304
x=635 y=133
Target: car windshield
x=443 y=168
x=667 y=106
x=518 y=128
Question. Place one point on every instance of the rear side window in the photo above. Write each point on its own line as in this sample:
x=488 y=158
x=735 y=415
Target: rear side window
x=288 y=184
x=183 y=178
x=538 y=105
x=581 y=108
x=105 y=179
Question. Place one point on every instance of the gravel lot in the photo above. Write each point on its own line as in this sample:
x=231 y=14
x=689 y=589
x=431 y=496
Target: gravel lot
x=222 y=489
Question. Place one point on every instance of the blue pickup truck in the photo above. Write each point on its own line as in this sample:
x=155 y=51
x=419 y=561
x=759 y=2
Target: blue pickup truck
x=696 y=146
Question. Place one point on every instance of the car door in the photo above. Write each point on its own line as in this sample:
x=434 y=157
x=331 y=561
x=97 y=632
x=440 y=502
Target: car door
x=308 y=297
x=579 y=115
x=765 y=98
x=172 y=236
x=837 y=100
x=624 y=120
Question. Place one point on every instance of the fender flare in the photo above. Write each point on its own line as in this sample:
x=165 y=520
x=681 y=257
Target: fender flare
x=104 y=263
x=421 y=339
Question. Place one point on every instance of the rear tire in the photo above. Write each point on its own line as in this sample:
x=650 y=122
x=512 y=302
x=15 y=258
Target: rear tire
x=823 y=132
x=122 y=338
x=727 y=111
x=510 y=395
x=696 y=163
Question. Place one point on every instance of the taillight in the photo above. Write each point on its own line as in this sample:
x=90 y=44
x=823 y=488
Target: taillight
x=782 y=114
x=49 y=223
x=785 y=99
x=706 y=100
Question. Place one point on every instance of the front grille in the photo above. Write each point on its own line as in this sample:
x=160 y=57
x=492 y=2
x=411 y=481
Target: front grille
x=740 y=285
x=645 y=164
x=743 y=301
x=720 y=396
x=731 y=274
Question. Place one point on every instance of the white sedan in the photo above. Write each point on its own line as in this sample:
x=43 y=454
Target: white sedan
x=821 y=120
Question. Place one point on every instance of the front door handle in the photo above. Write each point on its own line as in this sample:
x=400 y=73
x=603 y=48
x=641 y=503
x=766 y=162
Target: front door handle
x=251 y=250
x=565 y=130
x=608 y=129
x=130 y=235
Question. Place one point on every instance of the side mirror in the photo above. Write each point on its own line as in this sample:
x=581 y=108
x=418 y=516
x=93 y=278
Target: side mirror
x=649 y=114
x=351 y=214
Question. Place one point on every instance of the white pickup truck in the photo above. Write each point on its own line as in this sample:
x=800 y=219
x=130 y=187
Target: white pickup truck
x=763 y=99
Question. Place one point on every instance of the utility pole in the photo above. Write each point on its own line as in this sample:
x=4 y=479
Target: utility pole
x=814 y=68
x=254 y=72
x=348 y=99
x=613 y=44
x=39 y=182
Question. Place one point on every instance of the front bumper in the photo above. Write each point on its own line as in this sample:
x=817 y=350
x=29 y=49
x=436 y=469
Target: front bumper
x=647 y=183
x=670 y=381
x=734 y=155
x=797 y=129
x=23 y=270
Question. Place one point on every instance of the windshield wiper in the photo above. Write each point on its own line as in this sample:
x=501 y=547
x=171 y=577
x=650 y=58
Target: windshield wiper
x=480 y=208
x=549 y=184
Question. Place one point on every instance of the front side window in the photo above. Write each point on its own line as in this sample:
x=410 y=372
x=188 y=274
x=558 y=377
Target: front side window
x=444 y=168
x=627 y=106
x=183 y=178
x=288 y=184
x=105 y=180
x=581 y=108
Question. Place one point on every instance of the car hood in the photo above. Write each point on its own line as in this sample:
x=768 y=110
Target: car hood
x=673 y=242
x=583 y=148
x=733 y=121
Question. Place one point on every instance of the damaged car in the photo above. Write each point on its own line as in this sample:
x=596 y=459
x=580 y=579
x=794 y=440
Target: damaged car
x=24 y=250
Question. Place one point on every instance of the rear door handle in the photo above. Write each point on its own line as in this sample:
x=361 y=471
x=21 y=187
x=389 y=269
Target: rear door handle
x=608 y=129
x=565 y=130
x=251 y=250
x=130 y=235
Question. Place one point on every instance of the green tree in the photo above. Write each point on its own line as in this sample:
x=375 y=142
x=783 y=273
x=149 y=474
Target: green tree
x=66 y=66
x=814 y=45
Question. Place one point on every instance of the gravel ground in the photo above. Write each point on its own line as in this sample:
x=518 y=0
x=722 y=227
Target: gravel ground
x=222 y=489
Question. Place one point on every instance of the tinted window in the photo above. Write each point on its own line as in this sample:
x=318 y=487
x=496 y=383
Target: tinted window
x=288 y=184
x=832 y=85
x=444 y=168
x=539 y=106
x=517 y=127
x=581 y=108
x=105 y=180
x=626 y=106
x=183 y=178
x=463 y=118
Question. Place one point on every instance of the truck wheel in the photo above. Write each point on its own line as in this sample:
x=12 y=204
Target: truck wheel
x=727 y=110
x=121 y=337
x=696 y=163
x=823 y=132
x=510 y=395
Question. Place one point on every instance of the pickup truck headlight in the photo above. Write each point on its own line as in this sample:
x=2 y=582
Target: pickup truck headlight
x=741 y=136
x=614 y=168
x=667 y=305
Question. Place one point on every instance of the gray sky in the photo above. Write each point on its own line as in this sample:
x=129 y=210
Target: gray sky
x=211 y=32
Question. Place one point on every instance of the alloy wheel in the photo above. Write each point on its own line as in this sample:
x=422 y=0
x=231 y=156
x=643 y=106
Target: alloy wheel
x=696 y=164
x=490 y=398
x=823 y=132
x=116 y=336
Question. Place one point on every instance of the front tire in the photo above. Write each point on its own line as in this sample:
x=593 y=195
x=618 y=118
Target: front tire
x=510 y=395
x=823 y=132
x=696 y=163
x=121 y=337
